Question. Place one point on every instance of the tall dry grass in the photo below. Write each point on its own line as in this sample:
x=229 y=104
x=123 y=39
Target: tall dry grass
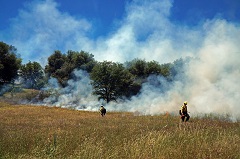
x=50 y=132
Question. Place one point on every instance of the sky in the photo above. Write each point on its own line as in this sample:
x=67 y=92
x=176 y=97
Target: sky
x=116 y=30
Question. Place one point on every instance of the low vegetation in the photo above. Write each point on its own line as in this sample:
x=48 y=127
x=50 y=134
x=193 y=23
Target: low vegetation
x=21 y=96
x=50 y=132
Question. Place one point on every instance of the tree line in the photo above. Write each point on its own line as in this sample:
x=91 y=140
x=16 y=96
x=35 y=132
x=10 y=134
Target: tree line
x=110 y=80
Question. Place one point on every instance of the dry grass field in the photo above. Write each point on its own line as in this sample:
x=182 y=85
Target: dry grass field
x=49 y=132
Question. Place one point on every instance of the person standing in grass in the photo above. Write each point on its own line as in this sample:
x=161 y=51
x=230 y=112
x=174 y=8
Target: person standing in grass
x=183 y=112
x=102 y=110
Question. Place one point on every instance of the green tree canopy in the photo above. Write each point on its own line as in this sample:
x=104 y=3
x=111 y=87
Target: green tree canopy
x=137 y=67
x=81 y=60
x=110 y=80
x=61 y=66
x=142 y=69
x=9 y=63
x=55 y=62
x=153 y=67
x=166 y=69
x=32 y=74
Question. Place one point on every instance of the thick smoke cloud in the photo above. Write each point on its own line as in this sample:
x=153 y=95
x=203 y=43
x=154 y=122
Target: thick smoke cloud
x=210 y=83
x=214 y=88
x=77 y=95
x=147 y=33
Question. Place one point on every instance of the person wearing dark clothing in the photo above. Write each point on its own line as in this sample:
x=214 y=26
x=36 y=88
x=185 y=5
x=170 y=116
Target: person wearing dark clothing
x=183 y=112
x=102 y=111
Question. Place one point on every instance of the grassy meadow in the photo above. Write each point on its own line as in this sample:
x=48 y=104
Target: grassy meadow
x=50 y=132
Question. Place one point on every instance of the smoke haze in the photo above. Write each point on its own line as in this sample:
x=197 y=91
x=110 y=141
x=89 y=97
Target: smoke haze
x=77 y=95
x=210 y=83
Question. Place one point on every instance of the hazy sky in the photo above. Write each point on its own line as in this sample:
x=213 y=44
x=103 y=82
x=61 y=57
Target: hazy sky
x=117 y=30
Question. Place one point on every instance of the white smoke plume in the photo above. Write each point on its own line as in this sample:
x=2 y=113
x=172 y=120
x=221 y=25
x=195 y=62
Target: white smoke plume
x=210 y=84
x=77 y=95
